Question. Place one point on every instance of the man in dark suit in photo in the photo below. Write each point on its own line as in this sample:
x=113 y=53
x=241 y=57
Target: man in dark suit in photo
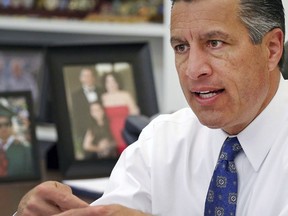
x=81 y=100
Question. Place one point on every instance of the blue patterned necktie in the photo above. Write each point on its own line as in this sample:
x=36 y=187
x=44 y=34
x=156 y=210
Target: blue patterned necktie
x=222 y=193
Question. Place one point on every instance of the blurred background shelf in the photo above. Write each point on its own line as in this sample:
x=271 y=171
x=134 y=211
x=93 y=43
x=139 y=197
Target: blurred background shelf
x=82 y=27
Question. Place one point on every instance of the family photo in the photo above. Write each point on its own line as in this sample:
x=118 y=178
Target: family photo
x=99 y=98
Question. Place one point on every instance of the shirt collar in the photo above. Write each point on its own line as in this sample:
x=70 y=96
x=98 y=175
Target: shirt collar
x=258 y=137
x=88 y=88
x=9 y=142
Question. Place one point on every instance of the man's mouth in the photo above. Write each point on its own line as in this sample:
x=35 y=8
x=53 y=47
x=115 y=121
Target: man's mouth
x=208 y=94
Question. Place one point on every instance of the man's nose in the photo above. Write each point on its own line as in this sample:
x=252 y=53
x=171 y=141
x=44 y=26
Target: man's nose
x=198 y=64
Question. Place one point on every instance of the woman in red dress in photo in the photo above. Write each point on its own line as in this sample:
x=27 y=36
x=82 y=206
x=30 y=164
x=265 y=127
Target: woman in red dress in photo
x=118 y=105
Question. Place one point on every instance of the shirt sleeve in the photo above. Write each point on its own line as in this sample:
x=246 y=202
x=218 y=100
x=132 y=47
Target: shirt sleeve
x=130 y=180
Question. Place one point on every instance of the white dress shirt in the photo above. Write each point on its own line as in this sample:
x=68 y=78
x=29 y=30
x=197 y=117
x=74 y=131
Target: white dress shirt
x=90 y=94
x=168 y=170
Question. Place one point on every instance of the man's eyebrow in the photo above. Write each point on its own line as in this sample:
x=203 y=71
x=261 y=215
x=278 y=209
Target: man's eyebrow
x=215 y=34
x=208 y=35
x=174 y=40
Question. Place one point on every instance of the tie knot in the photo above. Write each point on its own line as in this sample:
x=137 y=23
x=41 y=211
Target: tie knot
x=230 y=149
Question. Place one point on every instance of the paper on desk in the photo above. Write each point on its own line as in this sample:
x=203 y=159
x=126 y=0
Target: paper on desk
x=96 y=185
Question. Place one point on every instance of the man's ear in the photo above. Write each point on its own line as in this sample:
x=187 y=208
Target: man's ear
x=274 y=42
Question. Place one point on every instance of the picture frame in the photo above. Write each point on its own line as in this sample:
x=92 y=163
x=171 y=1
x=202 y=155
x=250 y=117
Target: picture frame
x=19 y=153
x=130 y=62
x=22 y=68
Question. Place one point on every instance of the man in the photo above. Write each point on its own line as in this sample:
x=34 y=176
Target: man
x=81 y=100
x=15 y=157
x=228 y=54
x=21 y=79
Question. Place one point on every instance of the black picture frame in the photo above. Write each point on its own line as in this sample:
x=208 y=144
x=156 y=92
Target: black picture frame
x=22 y=68
x=62 y=62
x=19 y=154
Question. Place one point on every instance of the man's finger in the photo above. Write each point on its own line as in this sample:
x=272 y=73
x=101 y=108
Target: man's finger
x=64 y=199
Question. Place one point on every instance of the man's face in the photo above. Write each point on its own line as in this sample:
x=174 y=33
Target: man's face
x=5 y=128
x=226 y=79
x=17 y=68
x=87 y=78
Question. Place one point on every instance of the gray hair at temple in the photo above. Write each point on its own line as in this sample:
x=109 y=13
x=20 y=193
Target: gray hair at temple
x=259 y=17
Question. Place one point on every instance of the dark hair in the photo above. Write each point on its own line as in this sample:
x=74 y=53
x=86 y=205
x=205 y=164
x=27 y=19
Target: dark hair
x=93 y=121
x=285 y=63
x=260 y=17
x=116 y=77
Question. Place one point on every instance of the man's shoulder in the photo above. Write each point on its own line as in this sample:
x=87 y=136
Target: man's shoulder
x=78 y=91
x=180 y=122
x=18 y=147
x=182 y=116
x=18 y=144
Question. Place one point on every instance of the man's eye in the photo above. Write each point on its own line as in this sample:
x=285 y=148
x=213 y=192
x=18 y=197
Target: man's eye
x=215 y=43
x=181 y=48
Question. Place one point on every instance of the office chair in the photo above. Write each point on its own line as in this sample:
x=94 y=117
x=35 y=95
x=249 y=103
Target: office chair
x=133 y=127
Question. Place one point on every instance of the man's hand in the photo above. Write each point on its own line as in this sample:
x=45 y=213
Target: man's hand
x=49 y=198
x=103 y=210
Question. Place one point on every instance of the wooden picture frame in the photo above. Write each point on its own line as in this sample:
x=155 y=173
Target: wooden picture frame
x=19 y=155
x=111 y=62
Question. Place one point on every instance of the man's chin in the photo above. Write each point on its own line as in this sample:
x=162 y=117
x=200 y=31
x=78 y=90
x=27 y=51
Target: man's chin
x=211 y=123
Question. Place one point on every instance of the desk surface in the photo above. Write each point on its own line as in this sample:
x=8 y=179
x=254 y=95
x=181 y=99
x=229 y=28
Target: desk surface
x=11 y=193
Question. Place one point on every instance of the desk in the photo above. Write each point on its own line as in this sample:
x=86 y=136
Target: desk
x=11 y=193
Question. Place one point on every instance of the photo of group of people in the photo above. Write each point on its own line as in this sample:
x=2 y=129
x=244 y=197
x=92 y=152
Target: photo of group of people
x=16 y=152
x=99 y=97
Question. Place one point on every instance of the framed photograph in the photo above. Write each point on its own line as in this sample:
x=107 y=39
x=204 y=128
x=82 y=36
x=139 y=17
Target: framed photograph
x=22 y=69
x=18 y=148
x=96 y=87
